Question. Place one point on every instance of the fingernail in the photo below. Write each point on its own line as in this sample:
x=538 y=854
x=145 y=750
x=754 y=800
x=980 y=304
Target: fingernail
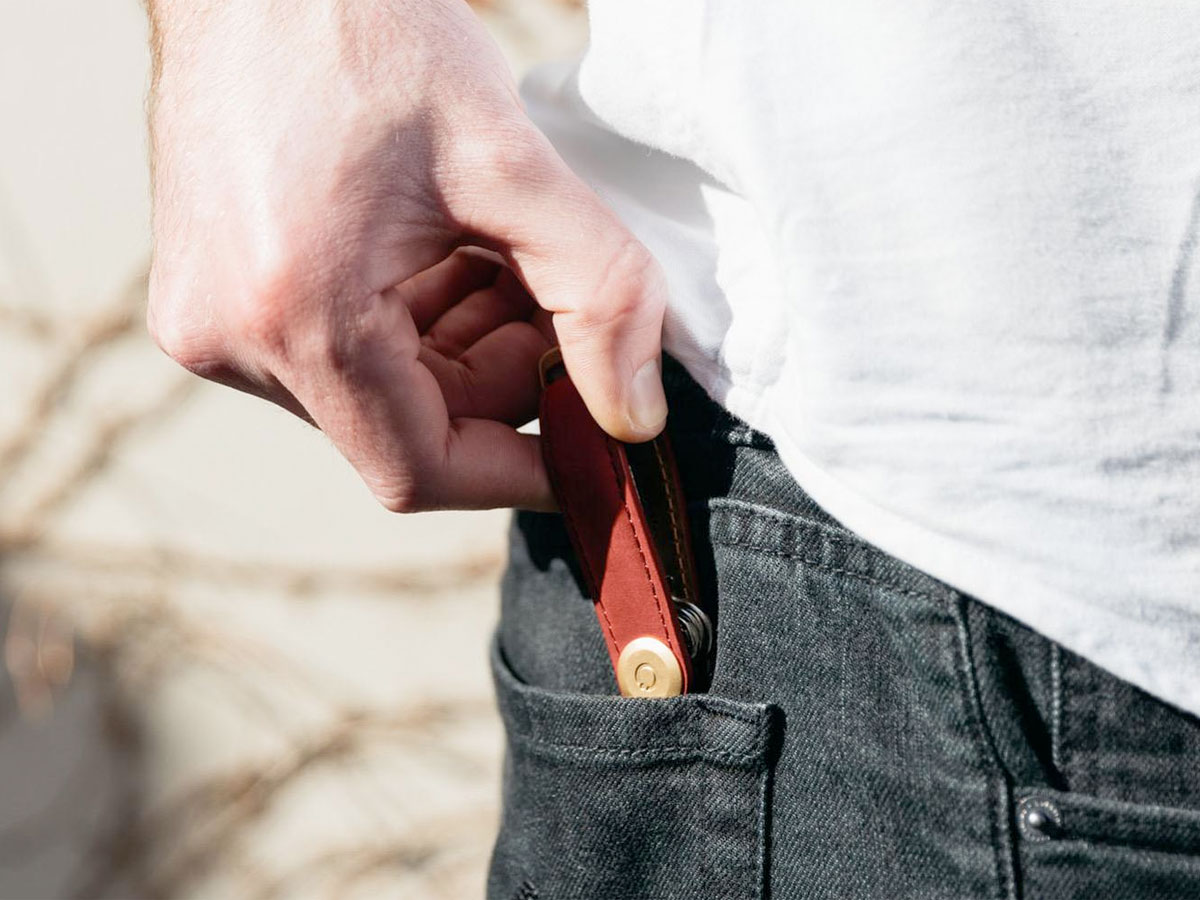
x=647 y=402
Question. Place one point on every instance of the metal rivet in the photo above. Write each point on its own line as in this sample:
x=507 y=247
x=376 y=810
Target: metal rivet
x=648 y=668
x=1039 y=819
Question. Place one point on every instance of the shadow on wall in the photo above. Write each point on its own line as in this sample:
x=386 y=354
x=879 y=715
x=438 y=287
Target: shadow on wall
x=96 y=634
x=70 y=754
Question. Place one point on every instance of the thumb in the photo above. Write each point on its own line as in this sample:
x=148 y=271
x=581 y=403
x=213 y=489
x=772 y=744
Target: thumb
x=607 y=293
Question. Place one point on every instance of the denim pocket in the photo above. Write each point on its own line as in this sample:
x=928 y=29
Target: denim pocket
x=1075 y=846
x=609 y=797
x=1102 y=777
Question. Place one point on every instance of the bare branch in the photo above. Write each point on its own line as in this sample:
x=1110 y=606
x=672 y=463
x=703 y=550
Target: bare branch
x=104 y=442
x=115 y=321
x=404 y=583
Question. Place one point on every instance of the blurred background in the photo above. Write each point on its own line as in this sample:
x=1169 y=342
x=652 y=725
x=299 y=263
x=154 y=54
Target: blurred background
x=226 y=671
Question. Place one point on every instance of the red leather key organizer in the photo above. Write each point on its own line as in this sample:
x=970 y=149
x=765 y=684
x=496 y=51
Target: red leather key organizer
x=624 y=511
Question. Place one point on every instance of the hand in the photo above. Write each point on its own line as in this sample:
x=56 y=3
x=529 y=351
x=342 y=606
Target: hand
x=319 y=169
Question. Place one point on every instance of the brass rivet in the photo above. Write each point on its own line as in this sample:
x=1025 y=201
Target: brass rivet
x=648 y=668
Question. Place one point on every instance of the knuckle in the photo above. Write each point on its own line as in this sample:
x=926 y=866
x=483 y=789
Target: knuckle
x=501 y=156
x=631 y=289
x=398 y=503
x=177 y=334
x=358 y=338
x=412 y=482
x=634 y=269
x=262 y=313
x=402 y=498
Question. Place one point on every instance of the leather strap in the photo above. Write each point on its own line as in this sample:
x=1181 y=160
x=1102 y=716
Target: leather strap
x=624 y=511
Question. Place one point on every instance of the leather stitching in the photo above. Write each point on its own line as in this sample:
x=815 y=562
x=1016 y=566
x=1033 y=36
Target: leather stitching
x=570 y=520
x=612 y=457
x=673 y=519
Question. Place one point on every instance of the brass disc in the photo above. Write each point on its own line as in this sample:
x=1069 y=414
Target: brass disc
x=648 y=668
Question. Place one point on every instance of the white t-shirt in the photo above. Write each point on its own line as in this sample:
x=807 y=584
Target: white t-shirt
x=945 y=255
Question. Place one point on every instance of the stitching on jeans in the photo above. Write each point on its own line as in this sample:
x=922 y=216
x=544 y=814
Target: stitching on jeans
x=728 y=508
x=836 y=570
x=583 y=559
x=1134 y=845
x=748 y=718
x=757 y=721
x=985 y=747
x=737 y=509
x=1123 y=817
x=612 y=458
x=740 y=509
x=1003 y=843
x=756 y=750
x=1079 y=822
x=764 y=825
x=1056 y=708
x=677 y=751
x=1068 y=690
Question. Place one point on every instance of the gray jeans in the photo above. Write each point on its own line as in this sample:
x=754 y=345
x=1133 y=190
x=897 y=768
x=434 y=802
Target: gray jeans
x=870 y=732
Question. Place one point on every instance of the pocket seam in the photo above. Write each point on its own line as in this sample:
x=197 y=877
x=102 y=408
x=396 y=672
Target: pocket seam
x=1082 y=815
x=678 y=753
x=751 y=727
x=826 y=567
